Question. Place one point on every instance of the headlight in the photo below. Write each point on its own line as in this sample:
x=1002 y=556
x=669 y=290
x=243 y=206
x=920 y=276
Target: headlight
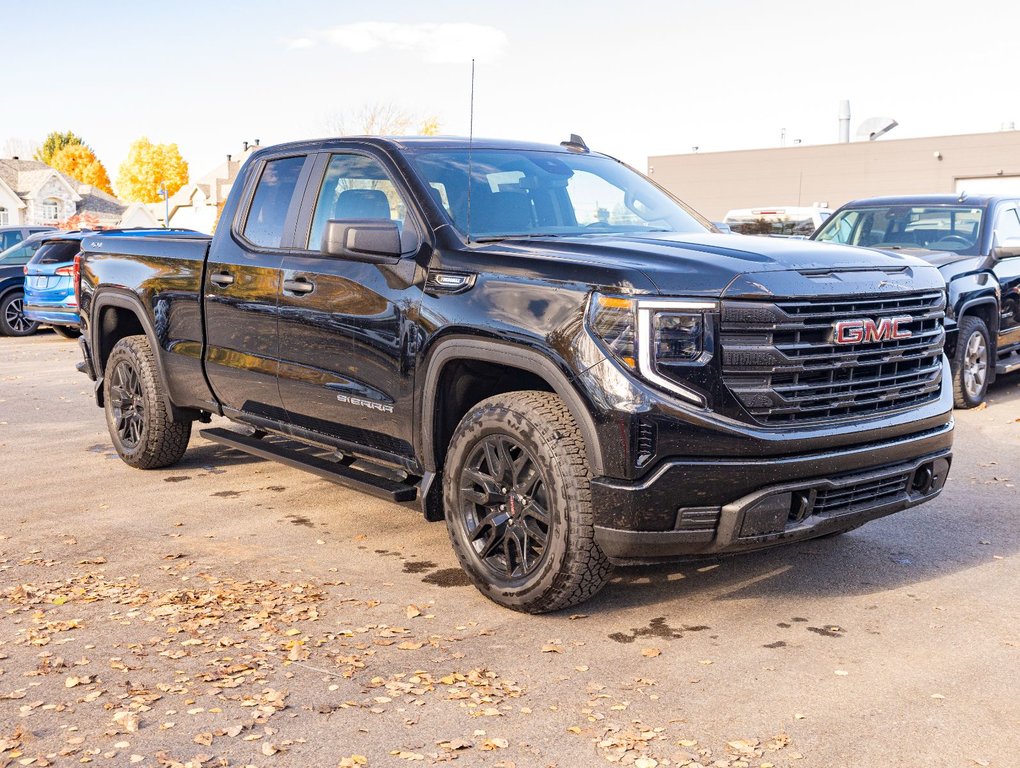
x=677 y=338
x=644 y=334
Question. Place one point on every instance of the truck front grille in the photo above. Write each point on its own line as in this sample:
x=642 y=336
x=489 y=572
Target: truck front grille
x=780 y=361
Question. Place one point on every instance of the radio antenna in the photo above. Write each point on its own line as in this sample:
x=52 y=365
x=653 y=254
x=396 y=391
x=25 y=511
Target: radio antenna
x=471 y=141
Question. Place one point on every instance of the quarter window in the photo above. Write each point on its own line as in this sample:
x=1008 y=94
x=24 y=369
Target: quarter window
x=272 y=201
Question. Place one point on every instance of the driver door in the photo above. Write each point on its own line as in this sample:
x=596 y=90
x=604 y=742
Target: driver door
x=348 y=329
x=1007 y=270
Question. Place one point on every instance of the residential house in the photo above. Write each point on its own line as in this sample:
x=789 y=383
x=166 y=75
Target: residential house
x=197 y=205
x=32 y=194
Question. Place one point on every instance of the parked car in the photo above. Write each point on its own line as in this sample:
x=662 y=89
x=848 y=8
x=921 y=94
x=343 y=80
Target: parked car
x=974 y=240
x=12 y=235
x=49 y=285
x=777 y=221
x=568 y=365
x=12 y=285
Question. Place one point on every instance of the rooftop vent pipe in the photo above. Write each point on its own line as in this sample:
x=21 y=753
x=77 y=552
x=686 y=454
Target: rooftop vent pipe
x=844 y=122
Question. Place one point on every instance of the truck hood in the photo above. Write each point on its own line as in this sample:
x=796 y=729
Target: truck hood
x=716 y=265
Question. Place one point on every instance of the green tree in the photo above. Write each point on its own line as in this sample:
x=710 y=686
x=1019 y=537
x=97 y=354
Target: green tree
x=55 y=142
x=147 y=168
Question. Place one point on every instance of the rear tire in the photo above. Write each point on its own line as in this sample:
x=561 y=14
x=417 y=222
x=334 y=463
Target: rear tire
x=67 y=331
x=972 y=363
x=518 y=504
x=12 y=316
x=142 y=427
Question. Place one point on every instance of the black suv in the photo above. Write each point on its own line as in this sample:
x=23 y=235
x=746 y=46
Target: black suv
x=974 y=240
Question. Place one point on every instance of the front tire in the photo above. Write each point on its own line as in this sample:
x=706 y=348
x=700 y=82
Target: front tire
x=142 y=427
x=971 y=363
x=518 y=504
x=12 y=316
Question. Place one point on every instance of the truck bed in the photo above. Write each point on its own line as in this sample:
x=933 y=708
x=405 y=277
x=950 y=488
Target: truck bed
x=162 y=270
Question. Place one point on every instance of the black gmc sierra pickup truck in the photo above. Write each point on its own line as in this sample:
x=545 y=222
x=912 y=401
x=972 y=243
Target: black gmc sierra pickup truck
x=974 y=240
x=534 y=343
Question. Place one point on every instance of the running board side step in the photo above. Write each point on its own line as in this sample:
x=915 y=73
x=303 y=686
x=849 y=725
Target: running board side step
x=339 y=473
x=1008 y=364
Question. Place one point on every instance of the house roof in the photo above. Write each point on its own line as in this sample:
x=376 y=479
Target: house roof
x=26 y=178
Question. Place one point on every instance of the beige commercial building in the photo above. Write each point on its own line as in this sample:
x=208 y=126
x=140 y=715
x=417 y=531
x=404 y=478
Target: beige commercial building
x=716 y=182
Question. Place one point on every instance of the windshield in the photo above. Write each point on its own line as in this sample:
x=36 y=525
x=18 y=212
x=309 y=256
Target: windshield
x=534 y=193
x=937 y=228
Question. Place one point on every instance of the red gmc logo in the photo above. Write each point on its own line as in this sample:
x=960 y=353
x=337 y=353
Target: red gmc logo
x=863 y=331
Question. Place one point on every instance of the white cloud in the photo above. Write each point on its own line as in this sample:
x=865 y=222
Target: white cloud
x=297 y=43
x=442 y=43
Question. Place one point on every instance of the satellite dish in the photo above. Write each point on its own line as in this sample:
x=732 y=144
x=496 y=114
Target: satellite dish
x=874 y=127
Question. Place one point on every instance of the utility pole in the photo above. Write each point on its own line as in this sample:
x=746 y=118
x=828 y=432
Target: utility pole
x=166 y=204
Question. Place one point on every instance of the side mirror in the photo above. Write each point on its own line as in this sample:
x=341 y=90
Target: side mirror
x=1006 y=248
x=376 y=241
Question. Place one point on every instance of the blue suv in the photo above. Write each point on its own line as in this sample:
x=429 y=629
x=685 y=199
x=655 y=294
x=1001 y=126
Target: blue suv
x=49 y=284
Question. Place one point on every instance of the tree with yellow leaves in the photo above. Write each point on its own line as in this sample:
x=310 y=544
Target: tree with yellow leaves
x=147 y=168
x=80 y=163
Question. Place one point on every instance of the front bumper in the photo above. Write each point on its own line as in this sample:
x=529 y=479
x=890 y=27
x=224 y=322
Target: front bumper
x=708 y=506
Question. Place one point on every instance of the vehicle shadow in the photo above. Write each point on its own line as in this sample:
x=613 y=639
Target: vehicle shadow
x=215 y=456
x=1005 y=389
x=909 y=548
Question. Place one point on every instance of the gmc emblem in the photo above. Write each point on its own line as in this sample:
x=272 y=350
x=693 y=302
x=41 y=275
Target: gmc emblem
x=863 y=331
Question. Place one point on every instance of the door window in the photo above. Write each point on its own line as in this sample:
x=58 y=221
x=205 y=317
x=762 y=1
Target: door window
x=1008 y=225
x=356 y=187
x=271 y=202
x=7 y=239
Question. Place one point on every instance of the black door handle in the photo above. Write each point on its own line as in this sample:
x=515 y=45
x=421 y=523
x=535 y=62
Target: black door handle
x=299 y=286
x=222 y=279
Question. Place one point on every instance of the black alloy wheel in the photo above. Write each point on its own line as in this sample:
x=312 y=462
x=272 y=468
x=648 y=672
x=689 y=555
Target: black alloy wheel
x=145 y=430
x=517 y=500
x=12 y=317
x=128 y=404
x=504 y=506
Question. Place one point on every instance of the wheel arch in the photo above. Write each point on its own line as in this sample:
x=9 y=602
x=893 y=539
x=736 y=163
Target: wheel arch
x=987 y=309
x=534 y=366
x=115 y=315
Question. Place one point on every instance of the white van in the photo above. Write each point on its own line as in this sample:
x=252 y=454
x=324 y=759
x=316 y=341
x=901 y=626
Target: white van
x=777 y=221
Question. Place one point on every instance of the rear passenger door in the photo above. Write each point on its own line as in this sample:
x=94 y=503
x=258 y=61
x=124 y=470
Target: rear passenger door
x=242 y=286
x=348 y=329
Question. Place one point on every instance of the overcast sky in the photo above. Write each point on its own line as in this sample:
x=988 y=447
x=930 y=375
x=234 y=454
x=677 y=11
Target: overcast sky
x=634 y=78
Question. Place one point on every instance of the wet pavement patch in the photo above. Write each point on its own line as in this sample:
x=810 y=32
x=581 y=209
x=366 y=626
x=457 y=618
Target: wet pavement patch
x=276 y=488
x=418 y=566
x=448 y=577
x=830 y=631
x=226 y=494
x=777 y=644
x=657 y=627
x=300 y=520
x=176 y=479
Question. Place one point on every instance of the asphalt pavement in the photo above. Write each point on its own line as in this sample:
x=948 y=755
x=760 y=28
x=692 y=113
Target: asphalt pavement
x=233 y=611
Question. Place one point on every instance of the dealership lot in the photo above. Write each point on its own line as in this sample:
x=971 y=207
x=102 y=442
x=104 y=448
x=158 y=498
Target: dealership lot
x=230 y=609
